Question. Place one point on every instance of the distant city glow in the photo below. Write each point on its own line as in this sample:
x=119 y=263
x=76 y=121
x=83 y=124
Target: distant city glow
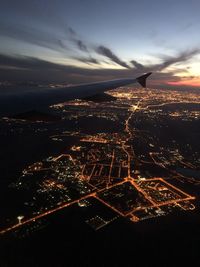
x=114 y=168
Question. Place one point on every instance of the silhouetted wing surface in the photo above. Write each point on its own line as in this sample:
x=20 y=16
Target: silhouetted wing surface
x=12 y=103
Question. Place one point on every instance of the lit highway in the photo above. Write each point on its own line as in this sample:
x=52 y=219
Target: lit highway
x=101 y=165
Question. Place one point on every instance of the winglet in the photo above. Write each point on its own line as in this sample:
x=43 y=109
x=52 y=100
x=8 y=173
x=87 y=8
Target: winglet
x=142 y=79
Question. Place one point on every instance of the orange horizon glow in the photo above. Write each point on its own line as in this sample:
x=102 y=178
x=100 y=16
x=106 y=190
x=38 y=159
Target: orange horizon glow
x=191 y=82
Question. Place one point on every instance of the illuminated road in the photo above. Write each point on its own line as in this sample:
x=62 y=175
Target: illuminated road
x=40 y=216
x=111 y=166
x=129 y=133
x=127 y=163
x=179 y=175
x=46 y=213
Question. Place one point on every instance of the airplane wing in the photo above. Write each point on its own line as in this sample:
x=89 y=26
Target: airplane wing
x=12 y=103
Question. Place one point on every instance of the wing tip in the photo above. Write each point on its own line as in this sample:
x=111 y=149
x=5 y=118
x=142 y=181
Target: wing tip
x=142 y=79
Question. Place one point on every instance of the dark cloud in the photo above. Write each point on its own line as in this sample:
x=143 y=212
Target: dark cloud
x=104 y=51
x=80 y=44
x=167 y=61
x=28 y=63
x=71 y=31
x=33 y=36
x=88 y=60
x=23 y=68
x=101 y=50
x=63 y=45
x=181 y=57
x=137 y=65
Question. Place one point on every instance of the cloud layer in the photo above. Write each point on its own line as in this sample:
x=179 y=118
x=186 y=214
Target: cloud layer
x=17 y=67
x=106 y=52
x=23 y=68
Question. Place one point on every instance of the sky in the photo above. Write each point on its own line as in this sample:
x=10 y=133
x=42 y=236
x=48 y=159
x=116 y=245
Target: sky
x=78 y=41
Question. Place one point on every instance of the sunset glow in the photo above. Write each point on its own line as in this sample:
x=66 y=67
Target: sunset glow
x=99 y=133
x=65 y=41
x=187 y=82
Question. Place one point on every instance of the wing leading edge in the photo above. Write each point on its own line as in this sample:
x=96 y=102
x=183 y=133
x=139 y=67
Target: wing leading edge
x=40 y=98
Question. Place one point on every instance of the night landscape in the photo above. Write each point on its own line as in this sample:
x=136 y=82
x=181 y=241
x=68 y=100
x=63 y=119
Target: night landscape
x=109 y=177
